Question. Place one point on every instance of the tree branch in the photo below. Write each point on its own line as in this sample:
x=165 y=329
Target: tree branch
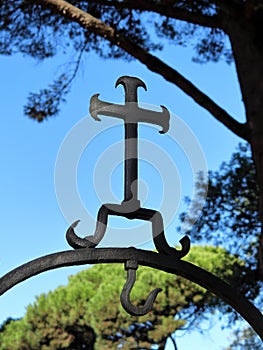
x=174 y=342
x=213 y=21
x=229 y=6
x=153 y=63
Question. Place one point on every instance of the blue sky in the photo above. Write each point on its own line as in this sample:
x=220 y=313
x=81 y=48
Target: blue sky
x=31 y=220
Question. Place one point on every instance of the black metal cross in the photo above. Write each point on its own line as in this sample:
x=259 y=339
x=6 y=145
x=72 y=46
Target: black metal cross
x=132 y=114
x=130 y=207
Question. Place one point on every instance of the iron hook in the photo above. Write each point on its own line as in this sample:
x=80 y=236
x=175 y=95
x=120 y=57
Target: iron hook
x=131 y=267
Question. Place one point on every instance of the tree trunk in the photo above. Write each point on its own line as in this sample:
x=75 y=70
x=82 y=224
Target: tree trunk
x=246 y=41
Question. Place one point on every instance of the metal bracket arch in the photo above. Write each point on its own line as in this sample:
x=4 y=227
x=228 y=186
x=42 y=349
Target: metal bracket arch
x=159 y=261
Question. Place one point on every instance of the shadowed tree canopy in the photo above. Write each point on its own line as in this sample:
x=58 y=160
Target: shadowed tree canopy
x=245 y=340
x=232 y=210
x=231 y=217
x=88 y=308
x=130 y=29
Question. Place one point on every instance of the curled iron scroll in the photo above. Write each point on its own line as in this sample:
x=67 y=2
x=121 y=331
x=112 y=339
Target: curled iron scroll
x=159 y=239
x=151 y=215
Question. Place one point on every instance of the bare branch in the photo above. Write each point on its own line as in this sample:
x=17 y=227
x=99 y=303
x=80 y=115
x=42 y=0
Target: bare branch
x=77 y=63
x=153 y=63
x=174 y=342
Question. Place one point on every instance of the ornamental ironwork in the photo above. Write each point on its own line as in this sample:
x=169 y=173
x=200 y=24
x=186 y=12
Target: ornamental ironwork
x=130 y=207
x=165 y=258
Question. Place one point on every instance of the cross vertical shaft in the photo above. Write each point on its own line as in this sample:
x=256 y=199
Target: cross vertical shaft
x=131 y=160
x=131 y=86
x=132 y=114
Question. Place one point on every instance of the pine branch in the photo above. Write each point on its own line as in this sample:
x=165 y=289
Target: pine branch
x=164 y=9
x=229 y=6
x=153 y=63
x=46 y=102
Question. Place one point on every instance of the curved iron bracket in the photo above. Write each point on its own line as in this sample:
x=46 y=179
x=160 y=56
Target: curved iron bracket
x=122 y=209
x=163 y=262
x=159 y=239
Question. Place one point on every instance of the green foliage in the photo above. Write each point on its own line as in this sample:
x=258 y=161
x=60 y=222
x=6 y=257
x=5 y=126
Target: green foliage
x=245 y=339
x=230 y=217
x=70 y=316
x=47 y=101
x=27 y=27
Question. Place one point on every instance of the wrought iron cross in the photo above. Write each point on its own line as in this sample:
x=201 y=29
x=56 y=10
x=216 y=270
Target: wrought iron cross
x=130 y=207
x=166 y=258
